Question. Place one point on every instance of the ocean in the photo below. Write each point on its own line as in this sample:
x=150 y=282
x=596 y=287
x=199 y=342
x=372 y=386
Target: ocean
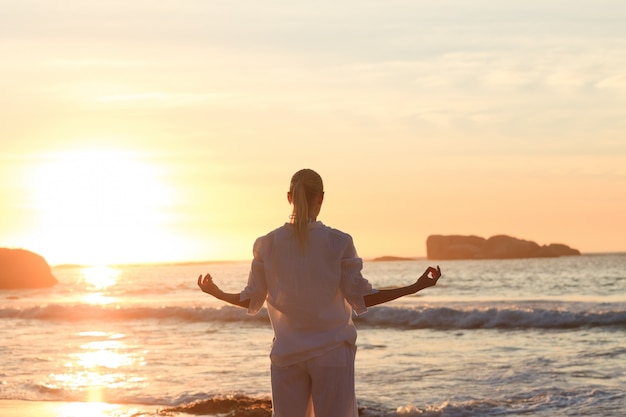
x=522 y=337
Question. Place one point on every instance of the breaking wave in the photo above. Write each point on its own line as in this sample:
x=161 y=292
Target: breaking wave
x=506 y=316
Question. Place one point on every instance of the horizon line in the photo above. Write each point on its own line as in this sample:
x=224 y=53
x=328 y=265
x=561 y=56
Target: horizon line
x=384 y=258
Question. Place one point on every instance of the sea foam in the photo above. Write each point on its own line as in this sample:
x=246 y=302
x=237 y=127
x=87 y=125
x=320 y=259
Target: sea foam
x=505 y=316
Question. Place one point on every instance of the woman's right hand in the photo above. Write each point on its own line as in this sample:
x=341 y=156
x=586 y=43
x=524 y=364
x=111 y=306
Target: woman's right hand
x=426 y=281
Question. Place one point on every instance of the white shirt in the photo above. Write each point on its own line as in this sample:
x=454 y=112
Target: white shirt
x=310 y=293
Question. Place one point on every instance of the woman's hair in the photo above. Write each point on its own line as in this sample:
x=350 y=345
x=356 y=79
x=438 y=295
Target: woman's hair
x=306 y=187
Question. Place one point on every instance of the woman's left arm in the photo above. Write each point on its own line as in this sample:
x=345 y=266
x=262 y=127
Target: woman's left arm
x=386 y=295
x=207 y=285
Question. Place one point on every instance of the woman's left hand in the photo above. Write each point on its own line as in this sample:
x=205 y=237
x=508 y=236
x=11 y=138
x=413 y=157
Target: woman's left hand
x=207 y=285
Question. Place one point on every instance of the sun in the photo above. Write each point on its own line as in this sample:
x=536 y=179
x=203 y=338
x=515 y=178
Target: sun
x=100 y=206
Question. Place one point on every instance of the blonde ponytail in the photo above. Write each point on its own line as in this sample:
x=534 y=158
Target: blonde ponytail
x=300 y=212
x=305 y=188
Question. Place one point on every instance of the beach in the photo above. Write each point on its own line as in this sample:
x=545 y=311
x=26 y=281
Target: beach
x=21 y=408
x=539 y=337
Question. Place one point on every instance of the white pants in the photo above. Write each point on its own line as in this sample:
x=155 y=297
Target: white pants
x=320 y=387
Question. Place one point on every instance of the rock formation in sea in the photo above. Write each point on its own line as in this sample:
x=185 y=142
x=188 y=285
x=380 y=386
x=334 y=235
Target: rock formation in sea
x=388 y=258
x=495 y=247
x=20 y=268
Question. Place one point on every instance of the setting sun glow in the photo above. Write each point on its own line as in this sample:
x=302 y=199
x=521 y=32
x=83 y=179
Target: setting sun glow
x=172 y=137
x=100 y=205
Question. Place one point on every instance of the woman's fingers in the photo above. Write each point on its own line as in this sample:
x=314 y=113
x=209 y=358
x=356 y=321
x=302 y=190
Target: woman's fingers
x=207 y=279
x=434 y=273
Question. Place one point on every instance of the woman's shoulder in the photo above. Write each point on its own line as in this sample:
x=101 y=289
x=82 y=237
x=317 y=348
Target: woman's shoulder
x=281 y=230
x=340 y=234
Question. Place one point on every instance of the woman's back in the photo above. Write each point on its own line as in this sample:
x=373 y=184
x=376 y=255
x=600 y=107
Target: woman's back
x=309 y=290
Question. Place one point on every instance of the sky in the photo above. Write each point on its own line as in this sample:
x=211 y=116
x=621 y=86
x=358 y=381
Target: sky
x=168 y=131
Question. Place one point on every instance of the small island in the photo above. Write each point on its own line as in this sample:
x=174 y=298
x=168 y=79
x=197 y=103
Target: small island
x=20 y=268
x=388 y=258
x=448 y=247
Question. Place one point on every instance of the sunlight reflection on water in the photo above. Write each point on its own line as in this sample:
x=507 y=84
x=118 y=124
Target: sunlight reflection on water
x=98 y=279
x=94 y=409
x=102 y=364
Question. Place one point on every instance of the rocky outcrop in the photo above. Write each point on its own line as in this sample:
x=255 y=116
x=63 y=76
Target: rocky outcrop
x=496 y=247
x=388 y=258
x=20 y=268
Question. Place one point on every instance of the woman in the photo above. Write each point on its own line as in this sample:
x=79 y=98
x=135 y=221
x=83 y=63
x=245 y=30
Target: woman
x=310 y=277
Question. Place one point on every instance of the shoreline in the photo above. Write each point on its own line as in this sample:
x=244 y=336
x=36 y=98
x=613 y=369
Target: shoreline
x=39 y=408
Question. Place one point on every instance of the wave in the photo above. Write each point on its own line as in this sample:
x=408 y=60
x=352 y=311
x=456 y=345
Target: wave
x=548 y=401
x=190 y=403
x=543 y=401
x=227 y=406
x=552 y=400
x=538 y=401
x=507 y=316
x=83 y=312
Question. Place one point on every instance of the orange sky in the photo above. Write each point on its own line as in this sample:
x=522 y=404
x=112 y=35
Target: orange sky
x=141 y=132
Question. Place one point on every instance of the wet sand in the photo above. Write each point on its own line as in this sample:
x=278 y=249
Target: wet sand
x=20 y=408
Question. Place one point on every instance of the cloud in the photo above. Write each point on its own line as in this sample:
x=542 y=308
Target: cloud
x=94 y=63
x=161 y=99
x=613 y=82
